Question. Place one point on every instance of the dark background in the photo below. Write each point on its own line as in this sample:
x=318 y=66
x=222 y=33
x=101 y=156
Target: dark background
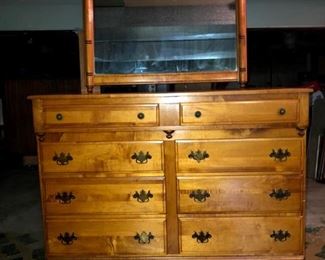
x=47 y=62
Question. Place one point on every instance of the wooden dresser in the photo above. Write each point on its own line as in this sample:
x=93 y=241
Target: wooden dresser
x=210 y=175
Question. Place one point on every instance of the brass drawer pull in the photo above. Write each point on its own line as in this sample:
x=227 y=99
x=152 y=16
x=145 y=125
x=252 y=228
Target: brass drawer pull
x=198 y=155
x=280 y=155
x=280 y=194
x=199 y=195
x=198 y=114
x=65 y=197
x=144 y=237
x=201 y=237
x=280 y=235
x=282 y=111
x=59 y=117
x=67 y=239
x=143 y=196
x=62 y=158
x=141 y=157
x=141 y=116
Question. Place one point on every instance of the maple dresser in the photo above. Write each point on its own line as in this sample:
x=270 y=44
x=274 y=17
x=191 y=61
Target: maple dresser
x=209 y=175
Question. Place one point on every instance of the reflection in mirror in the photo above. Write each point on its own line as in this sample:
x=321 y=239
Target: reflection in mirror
x=160 y=36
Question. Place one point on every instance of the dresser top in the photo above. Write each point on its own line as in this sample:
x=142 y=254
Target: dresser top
x=259 y=91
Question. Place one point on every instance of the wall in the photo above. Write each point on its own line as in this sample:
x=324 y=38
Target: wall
x=67 y=14
x=46 y=15
x=285 y=13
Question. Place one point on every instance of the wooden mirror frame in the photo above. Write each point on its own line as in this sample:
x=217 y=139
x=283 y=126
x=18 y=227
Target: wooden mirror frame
x=93 y=80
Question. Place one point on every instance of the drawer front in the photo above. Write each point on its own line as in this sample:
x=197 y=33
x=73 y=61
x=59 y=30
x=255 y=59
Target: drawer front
x=240 y=194
x=240 y=112
x=140 y=115
x=242 y=236
x=240 y=155
x=106 y=237
x=109 y=197
x=102 y=157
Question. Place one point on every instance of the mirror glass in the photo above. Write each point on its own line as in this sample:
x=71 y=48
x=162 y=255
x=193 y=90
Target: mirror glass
x=165 y=36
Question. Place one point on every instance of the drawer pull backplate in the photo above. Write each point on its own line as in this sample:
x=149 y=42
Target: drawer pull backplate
x=202 y=237
x=143 y=196
x=198 y=155
x=144 y=237
x=280 y=194
x=141 y=157
x=280 y=235
x=65 y=197
x=62 y=158
x=67 y=239
x=199 y=195
x=280 y=155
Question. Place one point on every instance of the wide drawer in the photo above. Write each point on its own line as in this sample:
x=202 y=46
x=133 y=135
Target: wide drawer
x=275 y=155
x=91 y=116
x=240 y=194
x=240 y=112
x=106 y=237
x=104 y=196
x=102 y=157
x=242 y=236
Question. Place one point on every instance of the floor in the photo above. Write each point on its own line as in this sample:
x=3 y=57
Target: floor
x=21 y=230
x=19 y=201
x=315 y=203
x=20 y=210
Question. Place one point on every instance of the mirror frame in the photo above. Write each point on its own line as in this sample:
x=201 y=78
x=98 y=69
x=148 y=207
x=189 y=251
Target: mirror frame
x=93 y=79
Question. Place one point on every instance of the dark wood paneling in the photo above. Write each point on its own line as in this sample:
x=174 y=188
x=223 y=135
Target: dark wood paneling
x=18 y=120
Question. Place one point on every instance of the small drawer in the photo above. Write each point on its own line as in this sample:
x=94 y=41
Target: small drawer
x=89 y=196
x=240 y=112
x=106 y=237
x=242 y=236
x=246 y=194
x=272 y=155
x=139 y=115
x=102 y=157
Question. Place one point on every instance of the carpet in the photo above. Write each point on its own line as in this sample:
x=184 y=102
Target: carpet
x=315 y=242
x=21 y=247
